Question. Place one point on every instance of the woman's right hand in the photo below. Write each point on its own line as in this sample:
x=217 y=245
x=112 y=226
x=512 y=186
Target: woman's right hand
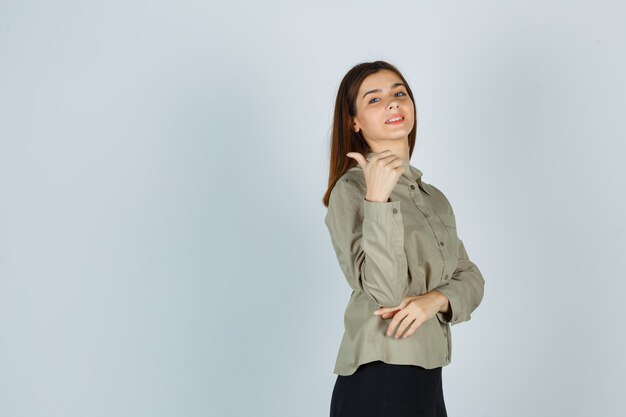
x=382 y=173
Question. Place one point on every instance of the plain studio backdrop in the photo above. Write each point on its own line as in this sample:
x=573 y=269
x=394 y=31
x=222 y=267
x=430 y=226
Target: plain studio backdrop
x=162 y=165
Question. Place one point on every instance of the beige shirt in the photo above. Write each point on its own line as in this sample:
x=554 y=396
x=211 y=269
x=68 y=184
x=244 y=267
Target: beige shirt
x=388 y=251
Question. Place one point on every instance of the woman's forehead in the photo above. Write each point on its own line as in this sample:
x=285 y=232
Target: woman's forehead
x=380 y=79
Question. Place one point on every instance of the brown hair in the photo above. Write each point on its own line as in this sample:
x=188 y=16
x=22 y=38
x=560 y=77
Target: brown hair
x=343 y=138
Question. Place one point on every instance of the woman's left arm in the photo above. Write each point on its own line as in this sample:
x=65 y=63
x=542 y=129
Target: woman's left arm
x=461 y=295
x=464 y=290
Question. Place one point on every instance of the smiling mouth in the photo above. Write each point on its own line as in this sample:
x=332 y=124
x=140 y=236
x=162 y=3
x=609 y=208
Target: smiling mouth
x=395 y=120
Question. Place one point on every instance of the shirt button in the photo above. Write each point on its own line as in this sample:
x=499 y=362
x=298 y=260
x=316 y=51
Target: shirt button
x=440 y=243
x=412 y=187
x=395 y=210
x=426 y=214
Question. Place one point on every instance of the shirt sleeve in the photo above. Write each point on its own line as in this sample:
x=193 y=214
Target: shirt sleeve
x=368 y=238
x=464 y=289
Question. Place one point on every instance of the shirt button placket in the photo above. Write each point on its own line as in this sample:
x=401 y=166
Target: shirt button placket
x=416 y=197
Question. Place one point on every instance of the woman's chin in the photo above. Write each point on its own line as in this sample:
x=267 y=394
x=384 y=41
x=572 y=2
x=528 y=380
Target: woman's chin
x=396 y=135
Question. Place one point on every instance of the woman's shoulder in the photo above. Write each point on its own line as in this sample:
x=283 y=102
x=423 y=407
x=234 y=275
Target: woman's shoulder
x=348 y=191
x=354 y=174
x=352 y=180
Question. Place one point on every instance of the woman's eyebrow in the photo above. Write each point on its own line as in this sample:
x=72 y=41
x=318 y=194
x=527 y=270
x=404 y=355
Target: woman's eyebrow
x=394 y=85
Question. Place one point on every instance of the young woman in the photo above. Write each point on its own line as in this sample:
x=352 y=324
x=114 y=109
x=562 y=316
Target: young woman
x=396 y=241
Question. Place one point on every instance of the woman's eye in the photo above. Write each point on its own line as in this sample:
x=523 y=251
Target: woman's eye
x=399 y=92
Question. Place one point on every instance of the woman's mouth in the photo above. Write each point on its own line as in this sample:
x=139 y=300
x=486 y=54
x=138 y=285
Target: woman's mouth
x=396 y=119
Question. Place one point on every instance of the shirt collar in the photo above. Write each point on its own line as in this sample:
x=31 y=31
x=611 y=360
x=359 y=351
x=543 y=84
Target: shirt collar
x=410 y=174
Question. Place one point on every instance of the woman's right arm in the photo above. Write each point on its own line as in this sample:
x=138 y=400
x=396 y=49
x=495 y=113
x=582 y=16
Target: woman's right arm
x=368 y=238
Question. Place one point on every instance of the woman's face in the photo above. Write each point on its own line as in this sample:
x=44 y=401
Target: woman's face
x=383 y=97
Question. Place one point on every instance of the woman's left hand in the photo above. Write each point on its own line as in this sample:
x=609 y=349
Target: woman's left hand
x=414 y=310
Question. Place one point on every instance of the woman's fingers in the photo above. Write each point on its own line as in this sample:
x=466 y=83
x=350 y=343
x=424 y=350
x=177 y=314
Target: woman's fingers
x=410 y=324
x=416 y=323
x=398 y=324
x=382 y=174
x=409 y=318
x=386 y=312
x=389 y=314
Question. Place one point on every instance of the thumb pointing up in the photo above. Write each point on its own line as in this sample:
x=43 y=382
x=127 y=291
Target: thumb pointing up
x=360 y=159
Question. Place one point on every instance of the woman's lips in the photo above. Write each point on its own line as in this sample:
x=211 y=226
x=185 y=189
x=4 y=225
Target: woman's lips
x=395 y=119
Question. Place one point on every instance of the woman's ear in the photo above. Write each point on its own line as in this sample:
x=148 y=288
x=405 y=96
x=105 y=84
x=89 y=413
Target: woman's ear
x=355 y=125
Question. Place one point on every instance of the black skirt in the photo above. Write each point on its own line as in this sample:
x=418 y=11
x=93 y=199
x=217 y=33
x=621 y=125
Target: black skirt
x=379 y=389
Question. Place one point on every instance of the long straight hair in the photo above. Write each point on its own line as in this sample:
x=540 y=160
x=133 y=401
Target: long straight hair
x=343 y=138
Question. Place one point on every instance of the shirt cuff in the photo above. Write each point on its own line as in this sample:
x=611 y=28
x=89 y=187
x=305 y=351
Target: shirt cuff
x=389 y=210
x=455 y=315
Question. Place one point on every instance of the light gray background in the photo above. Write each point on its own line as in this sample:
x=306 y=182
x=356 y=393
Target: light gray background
x=162 y=245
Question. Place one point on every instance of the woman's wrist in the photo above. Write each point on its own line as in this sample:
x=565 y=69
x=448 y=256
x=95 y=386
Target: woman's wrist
x=377 y=200
x=442 y=300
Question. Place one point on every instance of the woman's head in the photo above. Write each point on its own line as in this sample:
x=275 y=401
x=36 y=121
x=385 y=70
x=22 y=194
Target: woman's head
x=369 y=95
x=383 y=110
